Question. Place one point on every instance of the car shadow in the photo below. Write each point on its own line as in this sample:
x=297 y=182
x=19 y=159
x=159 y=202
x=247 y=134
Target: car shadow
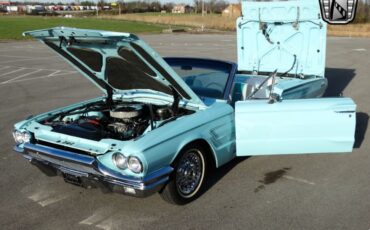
x=218 y=173
x=338 y=79
x=362 y=121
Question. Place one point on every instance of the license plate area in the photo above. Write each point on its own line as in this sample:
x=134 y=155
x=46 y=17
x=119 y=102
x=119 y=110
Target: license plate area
x=72 y=179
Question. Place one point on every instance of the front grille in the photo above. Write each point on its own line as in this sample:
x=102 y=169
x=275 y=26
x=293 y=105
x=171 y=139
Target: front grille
x=63 y=161
x=62 y=147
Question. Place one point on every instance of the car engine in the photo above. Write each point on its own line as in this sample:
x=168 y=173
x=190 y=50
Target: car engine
x=121 y=121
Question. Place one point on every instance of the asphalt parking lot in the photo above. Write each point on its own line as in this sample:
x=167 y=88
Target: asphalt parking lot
x=328 y=191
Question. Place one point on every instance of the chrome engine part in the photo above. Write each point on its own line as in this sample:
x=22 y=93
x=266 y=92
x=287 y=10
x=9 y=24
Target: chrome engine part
x=127 y=111
x=99 y=120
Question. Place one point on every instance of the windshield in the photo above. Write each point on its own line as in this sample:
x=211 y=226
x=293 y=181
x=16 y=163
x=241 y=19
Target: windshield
x=207 y=78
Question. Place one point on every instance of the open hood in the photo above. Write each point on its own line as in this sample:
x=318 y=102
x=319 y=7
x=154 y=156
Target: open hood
x=115 y=62
x=289 y=36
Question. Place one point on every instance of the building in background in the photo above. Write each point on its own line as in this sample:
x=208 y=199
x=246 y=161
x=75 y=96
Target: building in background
x=178 y=9
x=182 y=9
x=3 y=6
x=232 y=10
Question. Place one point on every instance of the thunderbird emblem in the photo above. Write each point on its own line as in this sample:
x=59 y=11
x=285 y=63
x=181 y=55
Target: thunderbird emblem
x=338 y=11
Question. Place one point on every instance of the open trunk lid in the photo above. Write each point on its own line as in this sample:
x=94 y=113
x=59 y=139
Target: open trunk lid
x=289 y=36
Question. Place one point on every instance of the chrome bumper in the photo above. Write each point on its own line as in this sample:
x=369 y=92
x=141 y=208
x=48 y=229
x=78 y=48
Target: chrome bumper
x=88 y=169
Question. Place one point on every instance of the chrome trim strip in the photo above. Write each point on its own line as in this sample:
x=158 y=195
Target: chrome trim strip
x=345 y=111
x=57 y=153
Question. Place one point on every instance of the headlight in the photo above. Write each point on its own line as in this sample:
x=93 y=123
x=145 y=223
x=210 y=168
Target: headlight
x=21 y=137
x=135 y=165
x=119 y=160
x=26 y=137
x=18 y=137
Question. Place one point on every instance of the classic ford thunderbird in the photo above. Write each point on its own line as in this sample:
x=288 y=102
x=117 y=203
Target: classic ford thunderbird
x=164 y=123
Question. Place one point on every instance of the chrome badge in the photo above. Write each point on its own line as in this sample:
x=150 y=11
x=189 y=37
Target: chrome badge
x=338 y=11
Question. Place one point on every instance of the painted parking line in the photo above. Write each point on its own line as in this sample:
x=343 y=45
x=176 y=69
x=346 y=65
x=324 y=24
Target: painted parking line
x=98 y=218
x=13 y=71
x=52 y=200
x=110 y=218
x=30 y=68
x=299 y=180
x=360 y=50
x=45 y=197
x=21 y=76
x=27 y=59
x=39 y=77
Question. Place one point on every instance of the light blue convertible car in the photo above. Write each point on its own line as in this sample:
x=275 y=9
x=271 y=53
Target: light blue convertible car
x=164 y=123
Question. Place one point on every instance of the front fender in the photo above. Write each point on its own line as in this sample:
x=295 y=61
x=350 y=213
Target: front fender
x=214 y=124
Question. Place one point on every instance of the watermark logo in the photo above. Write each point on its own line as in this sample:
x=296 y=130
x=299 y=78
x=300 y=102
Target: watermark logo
x=338 y=11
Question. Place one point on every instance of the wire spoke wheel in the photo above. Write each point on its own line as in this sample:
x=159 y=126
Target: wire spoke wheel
x=190 y=173
x=187 y=181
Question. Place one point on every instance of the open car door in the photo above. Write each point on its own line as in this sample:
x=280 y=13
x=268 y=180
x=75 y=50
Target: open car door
x=299 y=126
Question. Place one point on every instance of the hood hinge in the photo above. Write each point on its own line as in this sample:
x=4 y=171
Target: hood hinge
x=176 y=101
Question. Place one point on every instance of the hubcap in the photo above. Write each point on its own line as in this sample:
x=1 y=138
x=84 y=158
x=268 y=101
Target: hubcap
x=189 y=173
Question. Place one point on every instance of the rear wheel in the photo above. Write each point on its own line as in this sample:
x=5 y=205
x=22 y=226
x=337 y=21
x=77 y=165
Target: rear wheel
x=187 y=180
